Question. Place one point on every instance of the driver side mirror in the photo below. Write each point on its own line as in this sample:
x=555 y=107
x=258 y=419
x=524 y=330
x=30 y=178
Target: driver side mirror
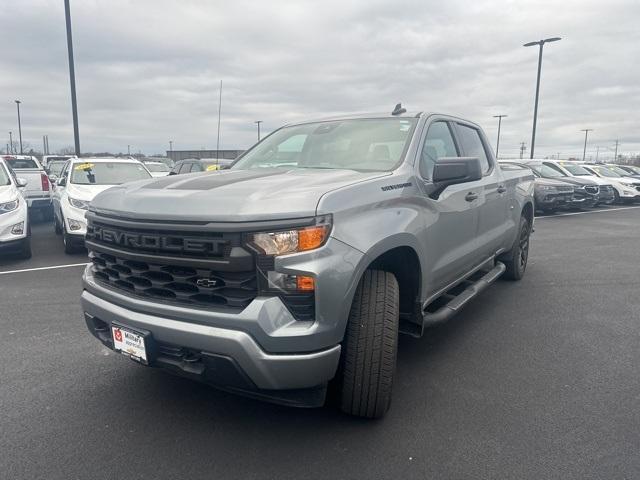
x=453 y=171
x=21 y=182
x=53 y=178
x=61 y=182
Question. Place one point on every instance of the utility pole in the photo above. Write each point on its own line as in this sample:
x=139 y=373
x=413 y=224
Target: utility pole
x=522 y=149
x=18 y=102
x=597 y=152
x=258 y=122
x=586 y=134
x=11 y=142
x=170 y=146
x=72 y=77
x=499 y=117
x=128 y=149
x=44 y=145
x=535 y=108
x=219 y=114
x=615 y=157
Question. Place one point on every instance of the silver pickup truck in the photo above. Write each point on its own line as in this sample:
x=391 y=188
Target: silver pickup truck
x=292 y=273
x=37 y=193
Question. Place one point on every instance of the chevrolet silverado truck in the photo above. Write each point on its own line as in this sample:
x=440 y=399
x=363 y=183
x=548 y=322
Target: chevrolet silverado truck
x=290 y=275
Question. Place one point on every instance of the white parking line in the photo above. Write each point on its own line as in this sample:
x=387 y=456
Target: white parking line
x=584 y=213
x=44 y=268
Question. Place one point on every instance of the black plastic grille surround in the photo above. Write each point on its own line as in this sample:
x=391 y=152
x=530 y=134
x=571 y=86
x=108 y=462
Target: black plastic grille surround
x=591 y=189
x=183 y=267
x=172 y=283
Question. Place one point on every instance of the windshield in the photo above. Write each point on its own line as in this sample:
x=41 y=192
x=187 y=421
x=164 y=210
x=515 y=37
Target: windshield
x=605 y=172
x=55 y=168
x=156 y=167
x=107 y=173
x=360 y=144
x=620 y=171
x=546 y=171
x=635 y=170
x=17 y=163
x=574 y=169
x=4 y=177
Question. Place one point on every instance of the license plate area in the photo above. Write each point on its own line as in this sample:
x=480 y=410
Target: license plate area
x=130 y=342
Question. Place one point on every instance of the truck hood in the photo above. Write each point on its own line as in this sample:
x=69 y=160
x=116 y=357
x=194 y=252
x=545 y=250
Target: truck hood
x=552 y=182
x=228 y=195
x=577 y=181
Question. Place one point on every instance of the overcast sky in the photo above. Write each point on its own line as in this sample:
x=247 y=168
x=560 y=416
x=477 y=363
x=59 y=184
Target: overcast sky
x=148 y=71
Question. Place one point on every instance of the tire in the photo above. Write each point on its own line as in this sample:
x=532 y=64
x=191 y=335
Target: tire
x=56 y=226
x=370 y=346
x=616 y=197
x=516 y=260
x=69 y=247
x=25 y=249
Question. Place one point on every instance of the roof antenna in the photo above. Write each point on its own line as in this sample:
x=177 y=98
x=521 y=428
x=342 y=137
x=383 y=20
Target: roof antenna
x=399 y=110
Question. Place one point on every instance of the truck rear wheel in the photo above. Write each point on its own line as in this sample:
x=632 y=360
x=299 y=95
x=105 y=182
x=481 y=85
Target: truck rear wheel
x=370 y=346
x=516 y=261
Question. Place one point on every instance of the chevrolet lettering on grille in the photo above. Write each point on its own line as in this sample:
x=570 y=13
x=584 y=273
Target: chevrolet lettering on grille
x=155 y=242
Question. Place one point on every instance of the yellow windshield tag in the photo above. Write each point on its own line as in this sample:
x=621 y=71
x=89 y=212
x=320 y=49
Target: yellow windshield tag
x=84 y=166
x=212 y=167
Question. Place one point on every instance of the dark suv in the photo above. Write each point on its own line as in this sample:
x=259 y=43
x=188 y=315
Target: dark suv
x=191 y=165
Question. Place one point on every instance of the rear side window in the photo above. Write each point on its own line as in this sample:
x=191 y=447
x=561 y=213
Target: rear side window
x=472 y=145
x=185 y=167
x=438 y=144
x=196 y=167
x=18 y=163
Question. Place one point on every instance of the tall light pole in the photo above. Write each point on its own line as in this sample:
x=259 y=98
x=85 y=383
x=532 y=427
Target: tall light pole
x=10 y=142
x=258 y=122
x=18 y=102
x=535 y=108
x=72 y=77
x=586 y=133
x=615 y=157
x=128 y=149
x=170 y=146
x=499 y=117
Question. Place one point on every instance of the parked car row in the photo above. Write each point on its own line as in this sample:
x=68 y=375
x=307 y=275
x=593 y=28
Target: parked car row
x=562 y=184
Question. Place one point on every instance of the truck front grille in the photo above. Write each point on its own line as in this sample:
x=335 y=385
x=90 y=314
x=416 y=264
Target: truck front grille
x=184 y=265
x=591 y=189
x=175 y=283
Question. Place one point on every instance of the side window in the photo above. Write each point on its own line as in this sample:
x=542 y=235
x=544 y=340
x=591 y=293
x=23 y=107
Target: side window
x=472 y=145
x=196 y=167
x=438 y=143
x=556 y=168
x=185 y=167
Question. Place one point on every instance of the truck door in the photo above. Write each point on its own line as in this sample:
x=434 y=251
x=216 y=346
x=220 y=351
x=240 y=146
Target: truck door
x=451 y=219
x=493 y=202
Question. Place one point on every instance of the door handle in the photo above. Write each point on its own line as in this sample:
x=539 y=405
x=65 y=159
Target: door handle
x=502 y=189
x=470 y=197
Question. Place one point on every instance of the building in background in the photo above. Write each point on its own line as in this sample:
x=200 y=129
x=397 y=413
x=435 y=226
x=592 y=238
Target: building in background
x=177 y=155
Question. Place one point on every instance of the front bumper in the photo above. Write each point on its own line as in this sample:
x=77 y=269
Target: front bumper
x=9 y=220
x=208 y=334
x=552 y=201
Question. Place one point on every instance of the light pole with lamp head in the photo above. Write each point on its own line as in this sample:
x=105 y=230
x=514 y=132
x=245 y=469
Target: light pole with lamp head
x=18 y=102
x=499 y=117
x=535 y=108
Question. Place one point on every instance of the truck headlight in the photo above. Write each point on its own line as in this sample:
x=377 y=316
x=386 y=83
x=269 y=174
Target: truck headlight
x=296 y=240
x=81 y=204
x=9 y=206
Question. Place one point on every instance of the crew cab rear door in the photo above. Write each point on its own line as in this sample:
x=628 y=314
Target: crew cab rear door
x=451 y=219
x=494 y=220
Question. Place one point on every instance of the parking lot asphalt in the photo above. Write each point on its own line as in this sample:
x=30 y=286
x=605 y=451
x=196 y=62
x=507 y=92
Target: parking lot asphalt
x=534 y=379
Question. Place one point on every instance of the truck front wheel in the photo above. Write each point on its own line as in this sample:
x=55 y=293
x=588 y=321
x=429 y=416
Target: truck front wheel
x=370 y=346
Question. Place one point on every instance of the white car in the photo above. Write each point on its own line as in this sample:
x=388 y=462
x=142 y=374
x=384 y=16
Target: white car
x=157 y=169
x=627 y=188
x=79 y=182
x=15 y=232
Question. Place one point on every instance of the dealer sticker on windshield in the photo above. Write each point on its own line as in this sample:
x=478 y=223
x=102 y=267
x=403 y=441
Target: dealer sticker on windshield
x=129 y=343
x=84 y=166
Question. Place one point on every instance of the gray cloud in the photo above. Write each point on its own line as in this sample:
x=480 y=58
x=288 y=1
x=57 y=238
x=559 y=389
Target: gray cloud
x=148 y=71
